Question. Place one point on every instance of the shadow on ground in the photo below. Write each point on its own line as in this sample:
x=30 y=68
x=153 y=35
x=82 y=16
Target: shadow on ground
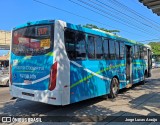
x=93 y=113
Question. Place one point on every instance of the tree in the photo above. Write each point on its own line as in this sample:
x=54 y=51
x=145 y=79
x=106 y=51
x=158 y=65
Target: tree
x=103 y=29
x=155 y=47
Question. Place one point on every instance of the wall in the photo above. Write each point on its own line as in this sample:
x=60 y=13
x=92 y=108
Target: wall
x=5 y=37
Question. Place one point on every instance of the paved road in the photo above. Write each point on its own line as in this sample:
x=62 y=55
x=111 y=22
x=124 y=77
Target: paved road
x=4 y=94
x=136 y=101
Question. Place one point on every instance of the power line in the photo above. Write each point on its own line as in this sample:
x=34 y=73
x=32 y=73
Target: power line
x=134 y=19
x=108 y=18
x=70 y=13
x=96 y=11
x=136 y=28
x=129 y=24
x=124 y=7
x=150 y=40
x=81 y=16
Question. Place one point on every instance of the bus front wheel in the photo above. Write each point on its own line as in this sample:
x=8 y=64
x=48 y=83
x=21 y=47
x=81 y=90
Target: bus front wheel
x=114 y=88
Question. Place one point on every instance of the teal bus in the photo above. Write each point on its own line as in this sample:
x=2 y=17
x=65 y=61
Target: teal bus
x=58 y=63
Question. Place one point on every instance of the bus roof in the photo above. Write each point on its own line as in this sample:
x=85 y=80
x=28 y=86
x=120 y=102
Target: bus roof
x=148 y=46
x=34 y=23
x=83 y=29
x=101 y=33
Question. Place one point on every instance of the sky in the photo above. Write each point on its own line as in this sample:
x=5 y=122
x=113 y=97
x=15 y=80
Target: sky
x=105 y=14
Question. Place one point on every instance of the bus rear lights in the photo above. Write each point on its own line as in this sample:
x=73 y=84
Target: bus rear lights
x=53 y=75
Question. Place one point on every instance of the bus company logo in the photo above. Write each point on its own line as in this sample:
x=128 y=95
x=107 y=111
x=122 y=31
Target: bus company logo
x=6 y=119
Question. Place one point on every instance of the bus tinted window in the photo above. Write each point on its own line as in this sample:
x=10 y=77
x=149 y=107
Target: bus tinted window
x=141 y=52
x=136 y=52
x=33 y=40
x=105 y=49
x=117 y=49
x=121 y=50
x=99 y=53
x=80 y=46
x=91 y=47
x=133 y=52
x=70 y=43
x=112 y=49
x=75 y=44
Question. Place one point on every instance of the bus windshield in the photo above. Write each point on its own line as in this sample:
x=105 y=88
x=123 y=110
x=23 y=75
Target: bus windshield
x=33 y=40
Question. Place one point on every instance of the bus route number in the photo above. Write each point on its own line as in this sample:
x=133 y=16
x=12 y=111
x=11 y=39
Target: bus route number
x=42 y=31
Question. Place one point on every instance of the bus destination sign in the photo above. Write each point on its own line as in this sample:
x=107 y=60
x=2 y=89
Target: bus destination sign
x=43 y=31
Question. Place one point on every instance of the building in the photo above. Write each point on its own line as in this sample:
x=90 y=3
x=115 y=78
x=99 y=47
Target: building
x=154 y=5
x=5 y=39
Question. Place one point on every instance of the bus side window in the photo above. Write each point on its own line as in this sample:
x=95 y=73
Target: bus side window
x=70 y=43
x=121 y=50
x=80 y=46
x=105 y=49
x=141 y=52
x=99 y=53
x=117 y=49
x=136 y=52
x=91 y=47
x=112 y=49
x=133 y=52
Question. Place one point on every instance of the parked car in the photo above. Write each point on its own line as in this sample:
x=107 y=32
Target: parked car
x=4 y=79
x=157 y=65
x=153 y=65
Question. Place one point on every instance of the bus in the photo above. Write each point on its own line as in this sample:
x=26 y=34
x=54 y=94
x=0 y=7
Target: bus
x=58 y=63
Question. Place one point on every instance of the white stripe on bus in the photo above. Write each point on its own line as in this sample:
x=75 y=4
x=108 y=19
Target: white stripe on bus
x=33 y=82
x=100 y=76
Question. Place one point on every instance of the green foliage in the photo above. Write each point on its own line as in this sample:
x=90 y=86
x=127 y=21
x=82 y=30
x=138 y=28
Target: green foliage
x=103 y=29
x=155 y=47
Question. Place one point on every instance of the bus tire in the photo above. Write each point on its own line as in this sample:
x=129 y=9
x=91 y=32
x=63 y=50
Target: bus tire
x=114 y=88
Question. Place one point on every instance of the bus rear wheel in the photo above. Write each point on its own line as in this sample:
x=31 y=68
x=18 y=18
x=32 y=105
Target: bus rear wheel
x=114 y=88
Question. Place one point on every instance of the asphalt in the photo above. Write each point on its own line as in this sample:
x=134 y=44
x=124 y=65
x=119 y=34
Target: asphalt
x=4 y=94
x=140 y=100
